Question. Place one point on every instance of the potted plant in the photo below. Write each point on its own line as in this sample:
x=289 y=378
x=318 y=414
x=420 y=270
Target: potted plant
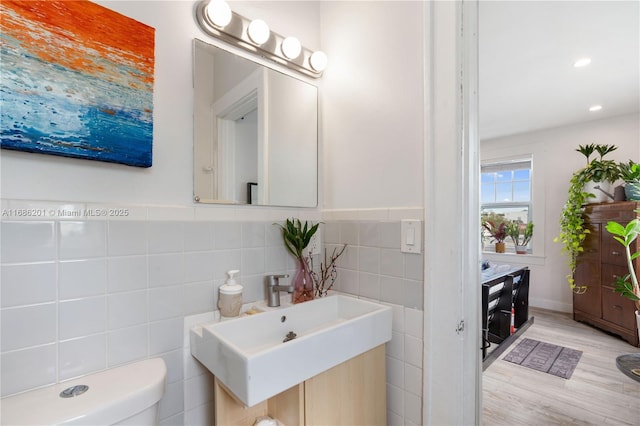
x=630 y=174
x=296 y=237
x=498 y=232
x=628 y=286
x=599 y=174
x=572 y=229
x=520 y=234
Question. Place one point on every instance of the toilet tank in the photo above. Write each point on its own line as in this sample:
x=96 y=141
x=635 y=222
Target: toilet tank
x=117 y=396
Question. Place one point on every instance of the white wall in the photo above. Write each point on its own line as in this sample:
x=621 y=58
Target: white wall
x=373 y=107
x=554 y=162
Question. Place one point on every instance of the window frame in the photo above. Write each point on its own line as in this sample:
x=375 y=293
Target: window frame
x=511 y=164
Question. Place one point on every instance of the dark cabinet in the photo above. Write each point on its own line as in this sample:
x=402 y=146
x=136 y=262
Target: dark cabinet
x=598 y=266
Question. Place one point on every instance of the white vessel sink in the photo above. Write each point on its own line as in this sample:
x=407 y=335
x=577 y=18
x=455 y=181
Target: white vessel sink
x=249 y=357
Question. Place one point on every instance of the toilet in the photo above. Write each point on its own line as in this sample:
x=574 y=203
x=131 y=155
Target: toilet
x=126 y=395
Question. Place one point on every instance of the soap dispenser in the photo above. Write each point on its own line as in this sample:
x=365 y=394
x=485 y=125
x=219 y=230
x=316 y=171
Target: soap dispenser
x=230 y=297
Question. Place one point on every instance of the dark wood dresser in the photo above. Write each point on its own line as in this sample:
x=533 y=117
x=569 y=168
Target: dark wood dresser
x=598 y=266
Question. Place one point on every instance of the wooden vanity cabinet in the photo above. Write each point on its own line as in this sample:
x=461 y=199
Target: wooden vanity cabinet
x=598 y=266
x=352 y=393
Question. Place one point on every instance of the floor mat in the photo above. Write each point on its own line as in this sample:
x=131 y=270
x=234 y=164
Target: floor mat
x=545 y=357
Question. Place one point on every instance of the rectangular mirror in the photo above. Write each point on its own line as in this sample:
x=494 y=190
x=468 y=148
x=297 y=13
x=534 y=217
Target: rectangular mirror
x=255 y=133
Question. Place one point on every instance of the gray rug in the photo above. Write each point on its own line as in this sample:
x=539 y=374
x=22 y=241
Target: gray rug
x=545 y=357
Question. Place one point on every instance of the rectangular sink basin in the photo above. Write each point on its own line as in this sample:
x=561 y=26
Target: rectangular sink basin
x=250 y=357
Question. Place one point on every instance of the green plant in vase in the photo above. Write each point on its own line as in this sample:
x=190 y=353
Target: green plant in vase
x=599 y=174
x=630 y=174
x=520 y=234
x=297 y=237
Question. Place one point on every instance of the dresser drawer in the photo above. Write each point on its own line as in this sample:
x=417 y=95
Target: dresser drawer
x=617 y=309
x=611 y=272
x=612 y=252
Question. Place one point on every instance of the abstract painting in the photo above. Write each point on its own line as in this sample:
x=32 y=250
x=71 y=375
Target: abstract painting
x=77 y=81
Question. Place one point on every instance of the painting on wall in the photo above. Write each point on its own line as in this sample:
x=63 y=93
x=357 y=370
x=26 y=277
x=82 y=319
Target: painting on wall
x=77 y=81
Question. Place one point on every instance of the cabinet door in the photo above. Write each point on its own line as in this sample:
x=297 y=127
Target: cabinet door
x=617 y=309
x=352 y=393
x=588 y=275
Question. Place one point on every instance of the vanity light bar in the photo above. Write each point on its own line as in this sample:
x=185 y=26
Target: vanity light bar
x=255 y=36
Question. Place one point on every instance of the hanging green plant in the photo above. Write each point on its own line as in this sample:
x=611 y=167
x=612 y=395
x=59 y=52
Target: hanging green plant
x=572 y=229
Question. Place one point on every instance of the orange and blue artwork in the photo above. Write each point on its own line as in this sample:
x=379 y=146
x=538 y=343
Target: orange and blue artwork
x=77 y=81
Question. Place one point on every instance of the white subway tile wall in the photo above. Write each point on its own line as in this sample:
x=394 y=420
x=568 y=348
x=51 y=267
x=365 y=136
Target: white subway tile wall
x=373 y=267
x=81 y=296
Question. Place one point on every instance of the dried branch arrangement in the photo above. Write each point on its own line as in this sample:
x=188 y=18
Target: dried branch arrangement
x=326 y=278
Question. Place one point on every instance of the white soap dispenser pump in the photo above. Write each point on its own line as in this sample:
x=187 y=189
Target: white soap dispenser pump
x=230 y=297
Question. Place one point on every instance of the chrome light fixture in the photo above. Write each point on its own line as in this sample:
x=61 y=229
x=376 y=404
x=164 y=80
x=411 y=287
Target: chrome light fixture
x=216 y=19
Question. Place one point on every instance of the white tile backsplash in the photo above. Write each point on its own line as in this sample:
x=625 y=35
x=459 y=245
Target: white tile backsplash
x=412 y=408
x=28 y=241
x=127 y=238
x=127 y=273
x=127 y=309
x=27 y=369
x=165 y=335
x=199 y=297
x=198 y=390
x=253 y=234
x=79 y=240
x=101 y=293
x=27 y=284
x=392 y=290
x=413 y=350
x=198 y=236
x=166 y=237
x=198 y=266
x=174 y=362
x=165 y=302
x=368 y=233
x=252 y=261
x=17 y=326
x=369 y=260
x=228 y=235
x=395 y=372
x=392 y=263
x=81 y=356
x=82 y=278
x=81 y=317
x=173 y=401
x=127 y=344
x=165 y=269
x=413 y=379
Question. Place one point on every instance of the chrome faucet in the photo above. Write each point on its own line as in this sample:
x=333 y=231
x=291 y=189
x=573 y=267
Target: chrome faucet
x=274 y=288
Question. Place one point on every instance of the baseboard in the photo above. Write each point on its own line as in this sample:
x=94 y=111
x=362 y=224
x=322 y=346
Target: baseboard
x=551 y=305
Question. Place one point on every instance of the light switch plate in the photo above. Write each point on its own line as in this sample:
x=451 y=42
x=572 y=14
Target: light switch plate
x=411 y=236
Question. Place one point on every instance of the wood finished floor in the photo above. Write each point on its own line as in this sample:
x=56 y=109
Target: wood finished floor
x=596 y=394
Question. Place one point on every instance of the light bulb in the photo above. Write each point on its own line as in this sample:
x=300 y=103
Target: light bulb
x=582 y=62
x=291 y=47
x=318 y=61
x=219 y=13
x=258 y=31
x=595 y=108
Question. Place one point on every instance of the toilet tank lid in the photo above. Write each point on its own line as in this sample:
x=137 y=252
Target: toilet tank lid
x=114 y=395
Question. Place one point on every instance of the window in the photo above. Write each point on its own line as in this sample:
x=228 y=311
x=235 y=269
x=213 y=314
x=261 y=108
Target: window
x=506 y=193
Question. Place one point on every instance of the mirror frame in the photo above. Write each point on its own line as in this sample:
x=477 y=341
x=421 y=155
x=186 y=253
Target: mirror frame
x=259 y=97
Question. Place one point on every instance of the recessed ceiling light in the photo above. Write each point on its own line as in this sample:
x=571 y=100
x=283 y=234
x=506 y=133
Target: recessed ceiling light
x=582 y=62
x=595 y=108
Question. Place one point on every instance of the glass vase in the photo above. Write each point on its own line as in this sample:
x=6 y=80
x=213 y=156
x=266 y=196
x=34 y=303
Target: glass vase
x=302 y=282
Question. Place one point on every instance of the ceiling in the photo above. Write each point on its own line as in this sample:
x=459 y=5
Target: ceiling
x=527 y=50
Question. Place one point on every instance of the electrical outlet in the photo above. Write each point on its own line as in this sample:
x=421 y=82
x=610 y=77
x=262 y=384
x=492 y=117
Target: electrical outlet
x=314 y=245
